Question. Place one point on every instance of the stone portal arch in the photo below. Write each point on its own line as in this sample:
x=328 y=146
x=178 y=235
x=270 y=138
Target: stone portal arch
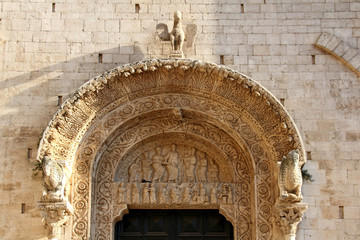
x=110 y=131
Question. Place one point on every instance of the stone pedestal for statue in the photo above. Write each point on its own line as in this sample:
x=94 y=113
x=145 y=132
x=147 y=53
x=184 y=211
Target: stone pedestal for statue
x=56 y=215
x=176 y=54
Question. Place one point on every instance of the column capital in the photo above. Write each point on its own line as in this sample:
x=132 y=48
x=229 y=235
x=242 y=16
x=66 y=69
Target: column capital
x=288 y=215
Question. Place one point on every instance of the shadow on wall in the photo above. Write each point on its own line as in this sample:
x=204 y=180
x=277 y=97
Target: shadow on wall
x=31 y=99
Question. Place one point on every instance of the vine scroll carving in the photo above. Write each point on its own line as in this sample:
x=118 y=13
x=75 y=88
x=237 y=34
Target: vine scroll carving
x=172 y=133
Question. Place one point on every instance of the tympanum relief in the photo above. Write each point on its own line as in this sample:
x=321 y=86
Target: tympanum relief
x=244 y=124
x=166 y=164
x=172 y=174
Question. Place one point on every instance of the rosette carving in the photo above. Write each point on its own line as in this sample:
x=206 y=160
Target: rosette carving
x=116 y=119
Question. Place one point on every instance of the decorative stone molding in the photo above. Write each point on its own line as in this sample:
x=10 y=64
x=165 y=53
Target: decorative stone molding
x=228 y=212
x=103 y=93
x=56 y=215
x=119 y=212
x=288 y=215
x=340 y=50
x=110 y=129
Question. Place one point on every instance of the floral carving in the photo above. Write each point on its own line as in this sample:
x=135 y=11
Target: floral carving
x=102 y=126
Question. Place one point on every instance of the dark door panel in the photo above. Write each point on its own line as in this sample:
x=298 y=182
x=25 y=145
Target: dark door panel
x=173 y=225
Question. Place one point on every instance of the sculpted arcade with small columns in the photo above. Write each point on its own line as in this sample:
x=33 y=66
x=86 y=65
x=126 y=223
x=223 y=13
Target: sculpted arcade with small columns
x=173 y=134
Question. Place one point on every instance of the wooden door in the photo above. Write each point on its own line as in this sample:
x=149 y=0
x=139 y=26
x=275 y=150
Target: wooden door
x=173 y=225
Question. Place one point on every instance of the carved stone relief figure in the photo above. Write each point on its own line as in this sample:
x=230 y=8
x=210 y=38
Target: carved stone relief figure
x=213 y=172
x=213 y=196
x=129 y=193
x=134 y=172
x=149 y=195
x=175 y=195
x=226 y=194
x=201 y=167
x=146 y=194
x=157 y=165
x=189 y=166
x=152 y=194
x=186 y=194
x=121 y=194
x=135 y=194
x=194 y=193
x=166 y=163
x=202 y=198
x=146 y=167
x=171 y=160
x=162 y=194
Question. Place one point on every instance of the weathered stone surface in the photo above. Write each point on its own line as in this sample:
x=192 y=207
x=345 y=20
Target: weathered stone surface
x=50 y=53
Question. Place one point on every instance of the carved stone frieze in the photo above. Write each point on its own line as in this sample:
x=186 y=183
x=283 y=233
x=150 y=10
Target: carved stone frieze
x=171 y=163
x=103 y=93
x=143 y=133
x=185 y=195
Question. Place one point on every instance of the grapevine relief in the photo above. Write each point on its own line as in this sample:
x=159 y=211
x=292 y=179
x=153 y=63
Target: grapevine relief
x=112 y=115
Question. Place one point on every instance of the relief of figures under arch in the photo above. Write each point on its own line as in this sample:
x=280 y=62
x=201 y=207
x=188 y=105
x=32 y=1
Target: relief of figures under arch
x=172 y=164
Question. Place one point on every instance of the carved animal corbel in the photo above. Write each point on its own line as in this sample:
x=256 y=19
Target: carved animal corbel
x=290 y=178
x=53 y=180
x=177 y=36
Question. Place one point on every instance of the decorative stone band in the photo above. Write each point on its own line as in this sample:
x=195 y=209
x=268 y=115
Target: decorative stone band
x=56 y=214
x=241 y=112
x=76 y=115
x=339 y=49
x=288 y=215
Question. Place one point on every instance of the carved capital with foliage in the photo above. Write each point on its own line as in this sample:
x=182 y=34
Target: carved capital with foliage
x=55 y=216
x=288 y=215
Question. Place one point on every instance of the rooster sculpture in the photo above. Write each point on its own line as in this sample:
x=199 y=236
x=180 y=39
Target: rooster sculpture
x=177 y=36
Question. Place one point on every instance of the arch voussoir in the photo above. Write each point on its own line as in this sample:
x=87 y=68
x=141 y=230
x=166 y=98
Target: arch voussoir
x=179 y=109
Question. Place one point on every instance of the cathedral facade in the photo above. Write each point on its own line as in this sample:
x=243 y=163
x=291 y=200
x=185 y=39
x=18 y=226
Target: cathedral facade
x=172 y=119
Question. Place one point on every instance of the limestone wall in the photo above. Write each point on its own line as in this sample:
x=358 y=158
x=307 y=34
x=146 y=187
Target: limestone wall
x=50 y=48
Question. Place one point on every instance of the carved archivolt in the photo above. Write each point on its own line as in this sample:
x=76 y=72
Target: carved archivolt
x=172 y=133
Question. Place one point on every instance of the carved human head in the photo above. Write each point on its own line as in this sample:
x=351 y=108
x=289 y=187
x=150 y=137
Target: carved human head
x=293 y=155
x=177 y=15
x=46 y=161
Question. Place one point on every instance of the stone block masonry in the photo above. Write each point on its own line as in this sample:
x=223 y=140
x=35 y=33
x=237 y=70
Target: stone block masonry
x=47 y=51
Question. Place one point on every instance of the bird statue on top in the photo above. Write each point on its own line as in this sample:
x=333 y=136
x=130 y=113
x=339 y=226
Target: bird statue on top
x=290 y=178
x=177 y=35
x=53 y=179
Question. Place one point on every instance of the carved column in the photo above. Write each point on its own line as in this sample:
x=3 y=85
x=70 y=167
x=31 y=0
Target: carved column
x=56 y=215
x=288 y=215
